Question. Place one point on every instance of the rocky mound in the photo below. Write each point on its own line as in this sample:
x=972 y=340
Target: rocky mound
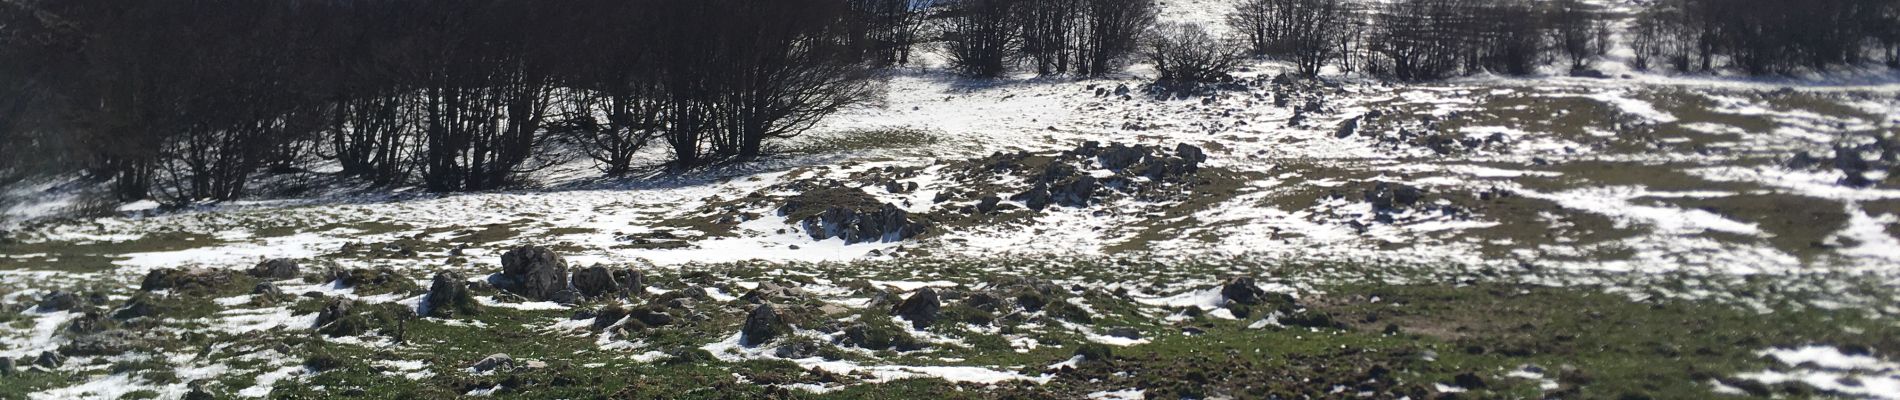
x=992 y=189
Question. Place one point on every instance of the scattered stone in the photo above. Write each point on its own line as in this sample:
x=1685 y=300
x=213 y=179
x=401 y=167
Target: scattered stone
x=276 y=269
x=1036 y=198
x=449 y=296
x=988 y=203
x=498 y=360
x=1191 y=153
x=1124 y=332
x=6 y=366
x=533 y=272
x=651 y=317
x=920 y=309
x=762 y=325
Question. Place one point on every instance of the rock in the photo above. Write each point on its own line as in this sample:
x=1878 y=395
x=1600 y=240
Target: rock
x=1468 y=380
x=1387 y=196
x=193 y=280
x=267 y=289
x=565 y=297
x=1117 y=157
x=1347 y=129
x=197 y=391
x=988 y=203
x=449 y=296
x=106 y=343
x=533 y=272
x=1036 y=198
x=1074 y=192
x=138 y=307
x=6 y=366
x=796 y=349
x=770 y=291
x=1124 y=332
x=651 y=317
x=762 y=325
x=1095 y=352
x=1242 y=290
x=631 y=282
x=50 y=360
x=887 y=224
x=276 y=269
x=490 y=363
x=920 y=308
x=608 y=316
x=1191 y=153
x=335 y=310
x=58 y=301
x=595 y=281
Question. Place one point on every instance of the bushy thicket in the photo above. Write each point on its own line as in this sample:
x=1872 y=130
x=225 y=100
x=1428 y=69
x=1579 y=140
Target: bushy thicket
x=186 y=100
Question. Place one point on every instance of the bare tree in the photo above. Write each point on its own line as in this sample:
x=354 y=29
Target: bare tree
x=1187 y=53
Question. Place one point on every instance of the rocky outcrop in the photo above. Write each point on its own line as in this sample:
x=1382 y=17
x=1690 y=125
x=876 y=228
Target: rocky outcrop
x=885 y=223
x=533 y=272
x=276 y=269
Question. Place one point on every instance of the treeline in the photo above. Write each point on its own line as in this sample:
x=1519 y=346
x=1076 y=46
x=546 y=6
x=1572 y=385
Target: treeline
x=986 y=38
x=1766 y=36
x=1435 y=39
x=185 y=100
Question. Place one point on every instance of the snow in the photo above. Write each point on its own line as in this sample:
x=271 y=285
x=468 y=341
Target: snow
x=1828 y=369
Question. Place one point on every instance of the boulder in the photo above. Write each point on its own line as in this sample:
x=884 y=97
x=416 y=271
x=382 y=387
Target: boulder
x=533 y=272
x=762 y=325
x=651 y=316
x=185 y=280
x=1036 y=198
x=7 y=367
x=1117 y=157
x=1191 y=153
x=1387 y=196
x=988 y=203
x=595 y=281
x=920 y=308
x=1075 y=192
x=50 y=360
x=631 y=282
x=1242 y=290
x=138 y=307
x=58 y=301
x=332 y=319
x=276 y=269
x=449 y=296
x=497 y=360
x=772 y=291
x=107 y=343
x=267 y=289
